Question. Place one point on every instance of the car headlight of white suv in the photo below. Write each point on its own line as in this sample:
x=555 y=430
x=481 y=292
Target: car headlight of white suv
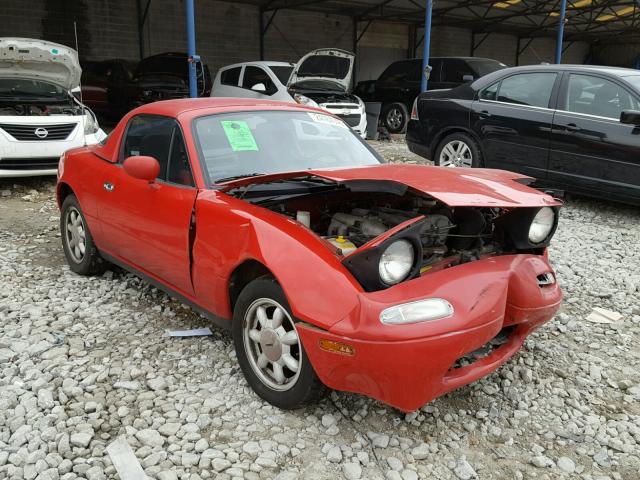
x=304 y=100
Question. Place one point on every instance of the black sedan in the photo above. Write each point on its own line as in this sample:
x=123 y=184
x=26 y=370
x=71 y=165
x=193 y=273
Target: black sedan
x=572 y=127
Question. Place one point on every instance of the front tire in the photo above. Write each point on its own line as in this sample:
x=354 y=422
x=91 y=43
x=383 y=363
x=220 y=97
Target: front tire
x=458 y=150
x=269 y=350
x=79 y=249
x=395 y=117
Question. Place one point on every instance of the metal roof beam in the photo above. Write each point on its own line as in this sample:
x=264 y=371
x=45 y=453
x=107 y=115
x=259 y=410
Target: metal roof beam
x=291 y=4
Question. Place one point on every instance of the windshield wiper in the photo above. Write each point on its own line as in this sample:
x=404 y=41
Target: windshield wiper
x=237 y=177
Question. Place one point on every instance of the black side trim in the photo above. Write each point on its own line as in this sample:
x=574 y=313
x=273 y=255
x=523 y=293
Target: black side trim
x=223 y=323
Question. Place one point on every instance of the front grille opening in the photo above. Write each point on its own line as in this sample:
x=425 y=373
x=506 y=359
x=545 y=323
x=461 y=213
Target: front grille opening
x=352 y=119
x=487 y=349
x=37 y=133
x=29 y=163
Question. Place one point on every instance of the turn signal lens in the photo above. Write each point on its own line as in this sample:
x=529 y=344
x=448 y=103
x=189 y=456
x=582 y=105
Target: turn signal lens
x=336 y=347
x=416 y=312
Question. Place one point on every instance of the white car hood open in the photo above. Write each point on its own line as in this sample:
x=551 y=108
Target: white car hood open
x=311 y=66
x=39 y=60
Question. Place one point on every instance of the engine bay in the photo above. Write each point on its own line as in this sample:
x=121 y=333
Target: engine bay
x=39 y=109
x=348 y=220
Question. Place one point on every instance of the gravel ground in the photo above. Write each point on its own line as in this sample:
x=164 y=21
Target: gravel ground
x=86 y=360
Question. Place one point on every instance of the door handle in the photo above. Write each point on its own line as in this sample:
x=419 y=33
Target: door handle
x=108 y=186
x=484 y=114
x=572 y=127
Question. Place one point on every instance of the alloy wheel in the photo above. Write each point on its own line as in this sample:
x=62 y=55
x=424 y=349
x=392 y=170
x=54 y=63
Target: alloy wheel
x=272 y=344
x=456 y=153
x=395 y=118
x=76 y=234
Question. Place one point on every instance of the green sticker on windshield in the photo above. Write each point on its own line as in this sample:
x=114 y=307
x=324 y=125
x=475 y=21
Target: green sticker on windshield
x=239 y=135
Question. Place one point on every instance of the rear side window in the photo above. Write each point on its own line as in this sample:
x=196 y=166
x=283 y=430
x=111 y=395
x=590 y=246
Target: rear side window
x=598 y=96
x=230 y=76
x=436 y=70
x=533 y=89
x=282 y=72
x=254 y=76
x=454 y=71
x=398 y=71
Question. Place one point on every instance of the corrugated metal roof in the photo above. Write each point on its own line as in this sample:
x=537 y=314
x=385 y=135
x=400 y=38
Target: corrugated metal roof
x=586 y=19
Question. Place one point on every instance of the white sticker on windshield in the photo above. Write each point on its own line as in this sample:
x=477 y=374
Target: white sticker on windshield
x=321 y=118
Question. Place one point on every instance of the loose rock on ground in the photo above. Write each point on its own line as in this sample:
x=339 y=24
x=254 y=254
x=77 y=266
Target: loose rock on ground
x=86 y=360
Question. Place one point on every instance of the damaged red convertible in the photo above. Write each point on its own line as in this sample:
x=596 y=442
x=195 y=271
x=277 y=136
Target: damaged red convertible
x=329 y=266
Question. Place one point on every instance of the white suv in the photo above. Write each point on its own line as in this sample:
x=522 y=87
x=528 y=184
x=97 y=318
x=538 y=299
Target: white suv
x=39 y=116
x=322 y=78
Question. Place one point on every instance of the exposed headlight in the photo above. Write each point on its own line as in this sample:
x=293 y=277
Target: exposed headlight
x=542 y=225
x=90 y=124
x=302 y=100
x=415 y=312
x=396 y=262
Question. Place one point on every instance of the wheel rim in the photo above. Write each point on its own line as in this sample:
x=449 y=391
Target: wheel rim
x=272 y=344
x=456 y=154
x=395 y=117
x=76 y=234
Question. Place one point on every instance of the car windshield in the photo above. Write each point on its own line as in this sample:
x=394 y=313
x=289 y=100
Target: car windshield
x=484 y=67
x=20 y=87
x=243 y=144
x=283 y=72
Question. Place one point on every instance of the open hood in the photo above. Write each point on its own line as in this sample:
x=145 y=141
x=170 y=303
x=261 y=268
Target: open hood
x=39 y=60
x=459 y=187
x=326 y=65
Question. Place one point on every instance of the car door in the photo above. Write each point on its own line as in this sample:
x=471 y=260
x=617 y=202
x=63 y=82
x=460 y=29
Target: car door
x=591 y=150
x=400 y=82
x=257 y=83
x=228 y=83
x=148 y=225
x=512 y=117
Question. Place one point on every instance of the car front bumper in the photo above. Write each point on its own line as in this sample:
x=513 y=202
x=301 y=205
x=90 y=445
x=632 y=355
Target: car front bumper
x=353 y=114
x=407 y=366
x=35 y=158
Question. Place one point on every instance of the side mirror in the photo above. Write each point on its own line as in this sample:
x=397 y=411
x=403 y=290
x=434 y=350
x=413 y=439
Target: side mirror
x=142 y=167
x=630 y=117
x=76 y=92
x=467 y=78
x=259 y=87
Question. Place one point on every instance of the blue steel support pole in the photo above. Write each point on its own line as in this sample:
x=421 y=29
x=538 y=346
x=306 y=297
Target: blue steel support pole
x=427 y=44
x=563 y=13
x=191 y=47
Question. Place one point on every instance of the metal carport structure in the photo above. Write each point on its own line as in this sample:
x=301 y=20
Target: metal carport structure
x=567 y=20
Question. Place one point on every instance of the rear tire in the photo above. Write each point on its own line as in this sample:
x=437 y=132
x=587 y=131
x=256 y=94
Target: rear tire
x=458 y=150
x=79 y=249
x=395 y=117
x=269 y=350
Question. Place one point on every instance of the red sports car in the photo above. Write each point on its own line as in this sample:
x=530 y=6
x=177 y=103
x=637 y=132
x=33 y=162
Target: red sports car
x=329 y=266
